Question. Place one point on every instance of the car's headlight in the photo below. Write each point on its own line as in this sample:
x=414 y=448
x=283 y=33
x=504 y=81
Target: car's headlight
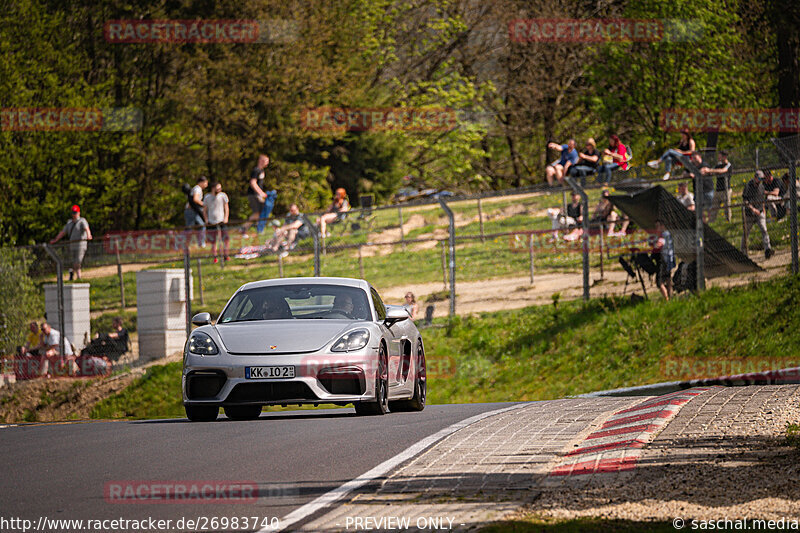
x=352 y=340
x=201 y=344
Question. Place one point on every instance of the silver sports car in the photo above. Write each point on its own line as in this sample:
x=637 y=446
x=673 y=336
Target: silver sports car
x=303 y=341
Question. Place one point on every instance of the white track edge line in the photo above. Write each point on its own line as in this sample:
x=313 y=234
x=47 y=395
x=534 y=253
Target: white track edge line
x=340 y=492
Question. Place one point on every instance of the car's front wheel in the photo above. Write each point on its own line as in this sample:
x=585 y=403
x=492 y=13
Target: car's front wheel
x=242 y=412
x=417 y=401
x=381 y=404
x=201 y=413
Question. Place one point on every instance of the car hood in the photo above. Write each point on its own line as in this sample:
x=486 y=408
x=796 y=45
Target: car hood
x=281 y=336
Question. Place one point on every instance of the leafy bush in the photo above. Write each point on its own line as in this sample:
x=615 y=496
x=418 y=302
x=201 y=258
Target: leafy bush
x=18 y=299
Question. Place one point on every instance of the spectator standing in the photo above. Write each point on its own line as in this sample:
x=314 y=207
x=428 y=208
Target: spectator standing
x=722 y=170
x=79 y=234
x=686 y=146
x=665 y=258
x=335 y=211
x=293 y=228
x=685 y=197
x=615 y=157
x=193 y=213
x=558 y=169
x=588 y=161
x=411 y=304
x=256 y=196
x=216 y=210
x=754 y=212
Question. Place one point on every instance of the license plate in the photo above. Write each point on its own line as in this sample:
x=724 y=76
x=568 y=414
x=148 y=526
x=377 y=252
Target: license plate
x=268 y=372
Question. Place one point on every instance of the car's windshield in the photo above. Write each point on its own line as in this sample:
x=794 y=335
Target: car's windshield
x=297 y=301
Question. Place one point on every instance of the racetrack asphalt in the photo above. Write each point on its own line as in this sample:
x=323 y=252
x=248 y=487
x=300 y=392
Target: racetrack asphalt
x=63 y=471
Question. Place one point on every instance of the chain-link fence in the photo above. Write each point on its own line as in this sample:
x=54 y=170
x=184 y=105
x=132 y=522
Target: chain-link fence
x=506 y=249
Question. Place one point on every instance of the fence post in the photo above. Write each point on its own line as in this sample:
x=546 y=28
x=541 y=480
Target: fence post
x=315 y=235
x=119 y=275
x=402 y=232
x=187 y=281
x=452 y=247
x=585 y=238
x=480 y=219
x=602 y=241
x=530 y=254
x=280 y=266
x=444 y=267
x=200 y=281
x=698 y=218
x=360 y=263
x=790 y=159
x=59 y=298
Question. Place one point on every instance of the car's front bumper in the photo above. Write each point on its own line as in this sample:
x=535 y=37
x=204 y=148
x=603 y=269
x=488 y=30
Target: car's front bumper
x=339 y=378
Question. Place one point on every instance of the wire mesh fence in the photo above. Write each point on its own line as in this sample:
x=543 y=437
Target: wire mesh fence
x=510 y=249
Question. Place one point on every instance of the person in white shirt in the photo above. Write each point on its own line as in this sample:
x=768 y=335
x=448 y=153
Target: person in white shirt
x=685 y=197
x=51 y=339
x=216 y=209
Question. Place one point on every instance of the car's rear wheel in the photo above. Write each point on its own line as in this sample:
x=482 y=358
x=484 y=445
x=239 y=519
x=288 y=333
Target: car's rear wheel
x=417 y=402
x=381 y=404
x=242 y=412
x=201 y=413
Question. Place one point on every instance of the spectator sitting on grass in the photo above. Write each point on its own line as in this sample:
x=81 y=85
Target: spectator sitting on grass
x=685 y=148
x=50 y=349
x=708 y=183
x=335 y=211
x=112 y=345
x=568 y=220
x=614 y=157
x=558 y=169
x=604 y=214
x=286 y=236
x=664 y=251
x=685 y=197
x=588 y=161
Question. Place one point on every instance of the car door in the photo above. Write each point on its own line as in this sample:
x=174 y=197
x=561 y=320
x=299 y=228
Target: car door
x=393 y=338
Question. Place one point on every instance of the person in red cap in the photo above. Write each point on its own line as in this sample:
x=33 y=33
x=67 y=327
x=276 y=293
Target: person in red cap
x=78 y=232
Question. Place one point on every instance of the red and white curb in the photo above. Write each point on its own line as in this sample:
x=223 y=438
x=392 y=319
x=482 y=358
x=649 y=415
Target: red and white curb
x=617 y=445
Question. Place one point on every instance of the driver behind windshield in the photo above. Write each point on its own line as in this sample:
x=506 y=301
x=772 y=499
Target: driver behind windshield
x=343 y=304
x=273 y=308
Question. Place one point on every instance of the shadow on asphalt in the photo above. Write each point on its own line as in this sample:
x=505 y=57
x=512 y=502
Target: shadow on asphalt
x=264 y=417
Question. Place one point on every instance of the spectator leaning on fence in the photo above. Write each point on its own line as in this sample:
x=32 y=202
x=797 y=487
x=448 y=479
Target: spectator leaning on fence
x=707 y=183
x=754 y=212
x=664 y=251
x=216 y=209
x=193 y=214
x=558 y=169
x=773 y=190
x=78 y=232
x=685 y=197
x=256 y=196
x=685 y=148
x=722 y=171
x=588 y=161
x=614 y=157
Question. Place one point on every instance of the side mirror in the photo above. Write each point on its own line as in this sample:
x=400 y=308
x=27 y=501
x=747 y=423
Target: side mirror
x=201 y=319
x=394 y=314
